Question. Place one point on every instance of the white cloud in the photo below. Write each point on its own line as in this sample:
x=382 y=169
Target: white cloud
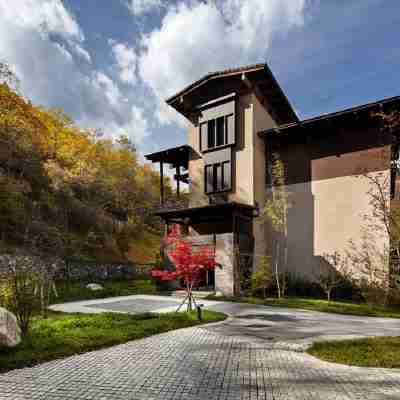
x=51 y=73
x=126 y=59
x=105 y=84
x=140 y=7
x=49 y=16
x=81 y=52
x=206 y=36
x=136 y=124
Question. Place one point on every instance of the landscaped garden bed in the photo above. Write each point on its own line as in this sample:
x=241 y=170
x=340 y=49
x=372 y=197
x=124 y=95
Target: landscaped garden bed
x=381 y=352
x=76 y=290
x=61 y=335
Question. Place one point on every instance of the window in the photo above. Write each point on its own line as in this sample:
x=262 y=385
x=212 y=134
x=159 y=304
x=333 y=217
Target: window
x=217 y=132
x=220 y=134
x=209 y=177
x=226 y=175
x=218 y=177
x=211 y=134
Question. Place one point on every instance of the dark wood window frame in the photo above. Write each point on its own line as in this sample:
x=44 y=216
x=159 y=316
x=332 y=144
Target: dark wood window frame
x=217 y=133
x=217 y=177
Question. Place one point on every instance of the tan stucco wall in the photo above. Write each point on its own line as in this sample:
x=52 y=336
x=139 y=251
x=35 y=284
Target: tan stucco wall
x=337 y=215
x=196 y=170
x=243 y=164
x=261 y=121
x=344 y=219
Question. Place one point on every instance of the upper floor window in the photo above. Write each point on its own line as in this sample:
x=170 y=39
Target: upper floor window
x=217 y=126
x=215 y=132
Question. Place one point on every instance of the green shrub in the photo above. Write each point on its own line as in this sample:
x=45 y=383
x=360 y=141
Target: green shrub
x=374 y=293
x=262 y=278
x=18 y=291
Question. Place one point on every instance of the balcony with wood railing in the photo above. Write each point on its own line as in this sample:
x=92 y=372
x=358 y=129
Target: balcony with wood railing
x=178 y=159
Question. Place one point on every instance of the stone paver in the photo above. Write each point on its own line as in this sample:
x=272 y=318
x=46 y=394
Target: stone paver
x=197 y=363
x=260 y=323
x=256 y=354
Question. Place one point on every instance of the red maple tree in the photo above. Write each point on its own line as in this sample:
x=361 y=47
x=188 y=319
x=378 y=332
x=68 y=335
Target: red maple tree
x=190 y=262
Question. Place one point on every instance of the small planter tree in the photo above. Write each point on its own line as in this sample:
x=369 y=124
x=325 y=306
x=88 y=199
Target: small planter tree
x=332 y=272
x=190 y=263
x=275 y=211
x=262 y=278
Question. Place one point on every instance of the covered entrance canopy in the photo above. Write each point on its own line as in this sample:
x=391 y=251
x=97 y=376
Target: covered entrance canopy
x=225 y=226
x=207 y=214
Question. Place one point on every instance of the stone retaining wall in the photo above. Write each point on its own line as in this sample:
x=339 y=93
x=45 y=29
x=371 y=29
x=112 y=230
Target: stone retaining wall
x=81 y=270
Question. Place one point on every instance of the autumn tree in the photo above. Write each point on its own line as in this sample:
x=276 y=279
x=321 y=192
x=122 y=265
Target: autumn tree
x=58 y=177
x=190 y=263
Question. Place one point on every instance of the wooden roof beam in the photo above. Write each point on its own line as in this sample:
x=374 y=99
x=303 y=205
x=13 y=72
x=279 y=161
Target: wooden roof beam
x=254 y=88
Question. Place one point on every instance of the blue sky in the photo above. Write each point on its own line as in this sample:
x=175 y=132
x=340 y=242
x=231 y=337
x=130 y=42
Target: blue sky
x=110 y=64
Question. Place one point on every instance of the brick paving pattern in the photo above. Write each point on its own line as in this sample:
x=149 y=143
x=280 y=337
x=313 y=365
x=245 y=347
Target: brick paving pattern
x=197 y=363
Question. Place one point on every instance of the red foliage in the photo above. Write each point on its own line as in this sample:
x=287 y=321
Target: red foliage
x=190 y=261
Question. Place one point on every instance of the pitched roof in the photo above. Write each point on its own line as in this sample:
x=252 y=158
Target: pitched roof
x=387 y=102
x=213 y=75
x=259 y=74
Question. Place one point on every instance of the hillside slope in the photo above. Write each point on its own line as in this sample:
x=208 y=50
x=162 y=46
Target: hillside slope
x=71 y=191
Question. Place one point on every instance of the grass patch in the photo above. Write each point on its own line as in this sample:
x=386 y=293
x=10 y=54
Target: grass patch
x=63 y=335
x=75 y=291
x=383 y=352
x=337 y=307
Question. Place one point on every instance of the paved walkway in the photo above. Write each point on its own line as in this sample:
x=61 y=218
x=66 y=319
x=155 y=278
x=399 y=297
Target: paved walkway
x=251 y=356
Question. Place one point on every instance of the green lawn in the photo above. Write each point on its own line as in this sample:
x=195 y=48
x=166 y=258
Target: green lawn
x=337 y=307
x=381 y=352
x=75 y=291
x=63 y=335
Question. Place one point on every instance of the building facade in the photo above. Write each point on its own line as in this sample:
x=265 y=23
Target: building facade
x=338 y=174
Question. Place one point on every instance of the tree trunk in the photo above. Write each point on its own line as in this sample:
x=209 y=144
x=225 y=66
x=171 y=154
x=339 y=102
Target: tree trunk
x=42 y=305
x=278 y=286
x=189 y=289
